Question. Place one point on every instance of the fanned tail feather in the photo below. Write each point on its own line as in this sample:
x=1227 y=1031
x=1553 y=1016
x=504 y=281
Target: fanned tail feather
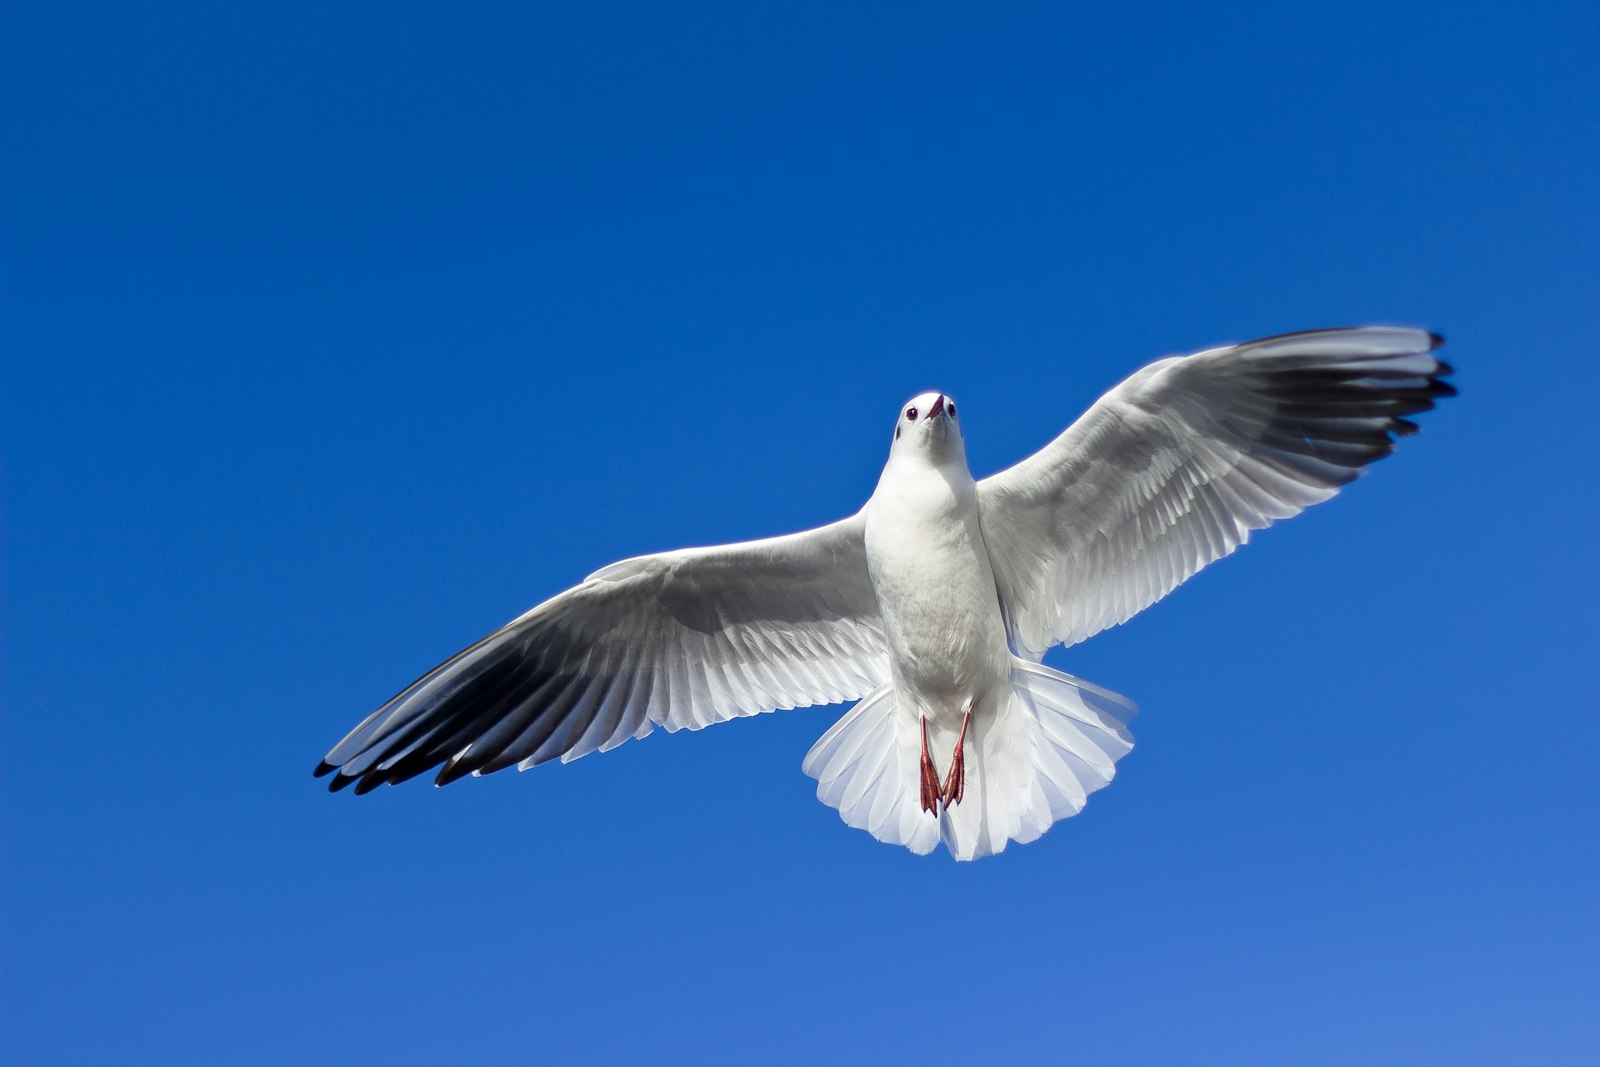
x=866 y=768
x=1052 y=742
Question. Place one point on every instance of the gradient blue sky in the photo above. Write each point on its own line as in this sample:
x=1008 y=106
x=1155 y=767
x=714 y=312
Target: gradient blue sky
x=335 y=335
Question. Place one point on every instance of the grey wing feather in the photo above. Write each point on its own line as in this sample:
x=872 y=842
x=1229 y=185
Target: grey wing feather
x=680 y=639
x=1174 y=468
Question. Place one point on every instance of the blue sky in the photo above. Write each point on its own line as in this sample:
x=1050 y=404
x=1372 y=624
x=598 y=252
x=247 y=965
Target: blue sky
x=336 y=335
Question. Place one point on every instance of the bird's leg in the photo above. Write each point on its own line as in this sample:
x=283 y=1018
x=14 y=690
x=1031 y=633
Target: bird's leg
x=930 y=777
x=955 y=783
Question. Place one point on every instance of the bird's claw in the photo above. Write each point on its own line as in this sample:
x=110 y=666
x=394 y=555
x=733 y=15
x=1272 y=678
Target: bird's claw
x=955 y=783
x=931 y=790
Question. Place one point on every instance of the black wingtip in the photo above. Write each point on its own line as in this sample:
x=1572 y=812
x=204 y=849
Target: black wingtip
x=1435 y=340
x=338 y=782
x=1445 y=369
x=367 y=784
x=453 y=771
x=324 y=768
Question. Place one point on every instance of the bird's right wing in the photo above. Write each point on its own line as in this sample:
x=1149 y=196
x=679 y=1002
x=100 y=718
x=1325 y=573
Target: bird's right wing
x=680 y=639
x=1174 y=467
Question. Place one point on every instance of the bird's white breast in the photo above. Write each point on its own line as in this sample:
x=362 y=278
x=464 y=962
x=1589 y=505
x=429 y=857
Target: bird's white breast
x=936 y=592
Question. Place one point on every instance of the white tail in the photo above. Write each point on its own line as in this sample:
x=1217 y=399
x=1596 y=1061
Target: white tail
x=1055 y=741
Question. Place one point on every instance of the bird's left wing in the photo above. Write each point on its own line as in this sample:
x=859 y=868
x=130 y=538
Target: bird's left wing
x=681 y=639
x=1174 y=467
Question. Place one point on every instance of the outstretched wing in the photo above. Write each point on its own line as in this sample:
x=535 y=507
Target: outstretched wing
x=681 y=640
x=1174 y=467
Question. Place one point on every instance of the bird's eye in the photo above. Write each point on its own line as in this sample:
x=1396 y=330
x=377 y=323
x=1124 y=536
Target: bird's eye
x=952 y=409
x=911 y=414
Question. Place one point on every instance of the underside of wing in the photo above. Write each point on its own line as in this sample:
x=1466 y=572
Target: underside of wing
x=1176 y=466
x=681 y=640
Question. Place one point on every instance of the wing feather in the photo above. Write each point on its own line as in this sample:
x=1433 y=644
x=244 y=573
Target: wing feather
x=1176 y=466
x=680 y=639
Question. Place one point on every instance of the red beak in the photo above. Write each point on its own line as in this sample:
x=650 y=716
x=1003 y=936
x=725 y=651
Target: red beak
x=938 y=407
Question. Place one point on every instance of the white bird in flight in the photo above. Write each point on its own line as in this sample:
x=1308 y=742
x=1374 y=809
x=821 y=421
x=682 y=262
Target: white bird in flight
x=934 y=603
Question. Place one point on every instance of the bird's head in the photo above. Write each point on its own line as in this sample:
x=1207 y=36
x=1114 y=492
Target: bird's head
x=927 y=426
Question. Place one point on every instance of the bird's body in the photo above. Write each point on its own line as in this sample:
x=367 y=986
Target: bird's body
x=933 y=605
x=935 y=591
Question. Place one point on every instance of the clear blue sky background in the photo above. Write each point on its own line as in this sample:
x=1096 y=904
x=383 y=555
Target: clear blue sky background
x=335 y=335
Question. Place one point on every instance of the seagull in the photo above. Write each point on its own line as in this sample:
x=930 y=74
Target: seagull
x=934 y=604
